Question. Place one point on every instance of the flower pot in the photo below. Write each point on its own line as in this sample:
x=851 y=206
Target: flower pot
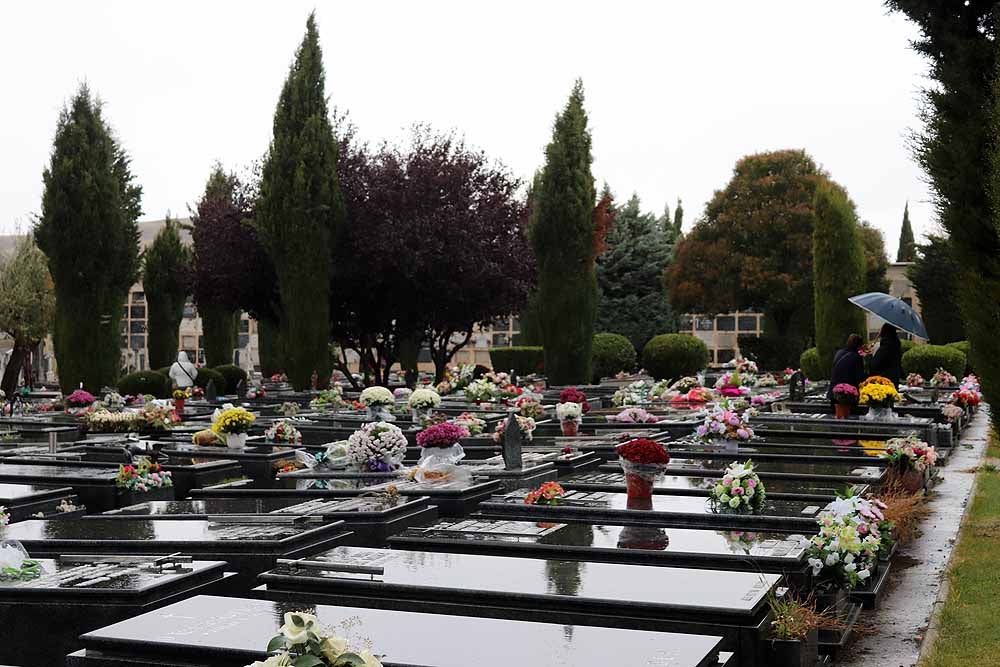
x=911 y=480
x=378 y=413
x=236 y=440
x=417 y=415
x=570 y=428
x=179 y=408
x=792 y=652
x=639 y=479
x=842 y=410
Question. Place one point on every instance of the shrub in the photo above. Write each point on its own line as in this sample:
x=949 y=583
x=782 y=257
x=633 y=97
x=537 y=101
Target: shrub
x=523 y=360
x=810 y=364
x=206 y=374
x=906 y=345
x=771 y=352
x=145 y=382
x=926 y=359
x=672 y=356
x=164 y=371
x=233 y=375
x=966 y=349
x=612 y=353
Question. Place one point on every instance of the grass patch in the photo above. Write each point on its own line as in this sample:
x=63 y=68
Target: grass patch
x=968 y=630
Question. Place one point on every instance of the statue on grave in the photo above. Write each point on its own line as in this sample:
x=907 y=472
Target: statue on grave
x=513 y=438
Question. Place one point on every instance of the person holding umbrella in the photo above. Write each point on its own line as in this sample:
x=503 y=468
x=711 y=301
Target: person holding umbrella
x=888 y=359
x=848 y=365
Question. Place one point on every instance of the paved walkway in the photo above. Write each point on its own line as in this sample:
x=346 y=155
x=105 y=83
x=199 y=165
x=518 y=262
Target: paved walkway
x=917 y=580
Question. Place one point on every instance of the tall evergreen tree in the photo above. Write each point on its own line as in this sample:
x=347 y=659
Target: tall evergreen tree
x=678 y=220
x=933 y=276
x=300 y=210
x=88 y=231
x=166 y=279
x=632 y=296
x=27 y=306
x=876 y=259
x=666 y=222
x=907 y=251
x=562 y=233
x=838 y=270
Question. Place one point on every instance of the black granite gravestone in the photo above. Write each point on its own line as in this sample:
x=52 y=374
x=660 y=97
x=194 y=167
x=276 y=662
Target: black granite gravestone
x=512 y=441
x=793 y=470
x=227 y=632
x=23 y=501
x=797 y=386
x=211 y=392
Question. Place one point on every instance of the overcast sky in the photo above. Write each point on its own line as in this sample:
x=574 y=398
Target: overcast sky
x=676 y=91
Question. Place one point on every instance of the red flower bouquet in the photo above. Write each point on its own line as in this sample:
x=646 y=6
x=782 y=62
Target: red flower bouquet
x=643 y=450
x=574 y=395
x=548 y=493
x=441 y=435
x=643 y=461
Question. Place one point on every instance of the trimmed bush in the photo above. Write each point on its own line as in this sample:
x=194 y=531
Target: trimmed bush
x=811 y=365
x=145 y=382
x=926 y=359
x=206 y=374
x=905 y=344
x=672 y=356
x=164 y=371
x=965 y=348
x=233 y=375
x=523 y=360
x=612 y=353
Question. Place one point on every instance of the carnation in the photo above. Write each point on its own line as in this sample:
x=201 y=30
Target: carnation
x=569 y=411
x=643 y=450
x=574 y=395
x=442 y=435
x=80 y=398
x=377 y=447
x=422 y=399
x=377 y=396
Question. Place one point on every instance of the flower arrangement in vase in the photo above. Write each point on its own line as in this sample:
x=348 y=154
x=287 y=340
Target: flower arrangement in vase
x=636 y=393
x=914 y=380
x=723 y=423
x=376 y=401
x=114 y=402
x=570 y=415
x=943 y=378
x=686 y=384
x=910 y=460
x=329 y=399
x=526 y=424
x=143 y=477
x=254 y=393
x=233 y=424
x=470 y=422
x=289 y=409
x=732 y=384
x=481 y=391
x=529 y=405
x=643 y=461
x=739 y=490
x=549 y=493
x=574 y=395
x=966 y=397
x=377 y=447
x=845 y=397
x=879 y=394
x=80 y=398
x=442 y=435
x=766 y=380
x=302 y=642
x=283 y=431
x=422 y=402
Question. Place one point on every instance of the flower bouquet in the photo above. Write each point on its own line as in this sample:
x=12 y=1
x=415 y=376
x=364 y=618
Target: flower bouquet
x=633 y=415
x=301 y=642
x=636 y=393
x=526 y=424
x=767 y=380
x=80 y=399
x=377 y=401
x=952 y=412
x=786 y=375
x=328 y=399
x=841 y=555
x=966 y=397
x=254 y=393
x=473 y=424
x=279 y=377
x=943 y=378
x=548 y=493
x=733 y=384
x=739 y=490
x=283 y=431
x=143 y=477
x=179 y=396
x=289 y=409
x=114 y=401
x=570 y=415
x=914 y=380
x=528 y=405
x=910 y=460
x=685 y=384
x=377 y=447
x=745 y=366
x=232 y=424
x=422 y=402
x=879 y=394
x=482 y=391
x=724 y=424
x=574 y=395
x=643 y=461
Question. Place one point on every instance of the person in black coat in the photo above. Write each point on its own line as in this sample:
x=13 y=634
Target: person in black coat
x=848 y=365
x=888 y=360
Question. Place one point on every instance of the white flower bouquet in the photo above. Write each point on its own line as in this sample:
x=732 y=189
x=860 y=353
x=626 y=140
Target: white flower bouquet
x=740 y=489
x=424 y=399
x=482 y=391
x=283 y=431
x=569 y=412
x=377 y=447
x=302 y=642
x=377 y=397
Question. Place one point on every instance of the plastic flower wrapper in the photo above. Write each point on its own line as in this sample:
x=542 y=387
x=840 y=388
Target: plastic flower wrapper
x=569 y=411
x=440 y=454
x=16 y=564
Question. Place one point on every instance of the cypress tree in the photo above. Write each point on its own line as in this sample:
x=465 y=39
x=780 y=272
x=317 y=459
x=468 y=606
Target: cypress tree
x=300 y=209
x=562 y=233
x=838 y=270
x=678 y=220
x=88 y=231
x=907 y=251
x=933 y=276
x=166 y=279
x=219 y=334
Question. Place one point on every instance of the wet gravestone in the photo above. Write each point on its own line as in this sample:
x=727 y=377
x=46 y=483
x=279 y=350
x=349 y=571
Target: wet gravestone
x=513 y=439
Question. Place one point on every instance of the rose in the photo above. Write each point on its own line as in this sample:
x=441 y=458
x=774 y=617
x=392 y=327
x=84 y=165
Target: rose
x=298 y=626
x=332 y=647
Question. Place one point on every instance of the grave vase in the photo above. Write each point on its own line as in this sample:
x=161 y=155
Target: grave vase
x=418 y=415
x=236 y=440
x=179 y=408
x=570 y=427
x=639 y=480
x=880 y=413
x=378 y=413
x=792 y=652
x=842 y=410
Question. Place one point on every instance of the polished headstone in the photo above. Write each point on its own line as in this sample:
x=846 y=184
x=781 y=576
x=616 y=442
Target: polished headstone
x=258 y=506
x=702 y=486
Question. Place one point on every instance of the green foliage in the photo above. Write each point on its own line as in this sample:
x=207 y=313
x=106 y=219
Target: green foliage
x=672 y=356
x=27 y=304
x=145 y=382
x=166 y=281
x=926 y=359
x=562 y=233
x=907 y=251
x=935 y=276
x=206 y=374
x=269 y=347
x=905 y=345
x=613 y=353
x=632 y=298
x=232 y=374
x=165 y=370
x=300 y=209
x=876 y=259
x=88 y=231
x=524 y=360
x=810 y=364
x=771 y=352
x=219 y=334
x=838 y=271
x=965 y=348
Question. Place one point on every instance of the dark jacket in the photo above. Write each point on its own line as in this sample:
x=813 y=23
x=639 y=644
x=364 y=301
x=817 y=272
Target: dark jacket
x=848 y=368
x=888 y=361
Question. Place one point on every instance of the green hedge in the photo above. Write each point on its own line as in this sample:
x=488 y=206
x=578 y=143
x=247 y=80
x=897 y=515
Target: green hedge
x=523 y=360
x=926 y=359
x=206 y=374
x=165 y=370
x=811 y=365
x=145 y=382
x=905 y=344
x=965 y=348
x=233 y=375
x=612 y=353
x=673 y=356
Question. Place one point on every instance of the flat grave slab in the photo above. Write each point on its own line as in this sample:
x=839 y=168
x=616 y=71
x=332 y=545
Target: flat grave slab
x=76 y=594
x=763 y=451
x=371 y=520
x=660 y=510
x=767 y=470
x=714 y=602
x=22 y=501
x=451 y=498
x=225 y=632
x=94 y=486
x=782 y=553
x=249 y=547
x=260 y=463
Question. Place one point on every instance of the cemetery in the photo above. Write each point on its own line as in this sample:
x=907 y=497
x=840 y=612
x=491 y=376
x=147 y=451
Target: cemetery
x=378 y=402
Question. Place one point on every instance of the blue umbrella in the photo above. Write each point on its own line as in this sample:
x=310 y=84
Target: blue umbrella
x=892 y=310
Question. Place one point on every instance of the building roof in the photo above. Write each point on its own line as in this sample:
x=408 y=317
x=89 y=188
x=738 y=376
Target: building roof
x=148 y=229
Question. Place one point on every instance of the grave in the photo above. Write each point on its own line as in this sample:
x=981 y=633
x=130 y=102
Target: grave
x=94 y=486
x=22 y=501
x=226 y=632
x=370 y=519
x=768 y=470
x=76 y=594
x=660 y=510
x=248 y=545
x=713 y=602
x=260 y=463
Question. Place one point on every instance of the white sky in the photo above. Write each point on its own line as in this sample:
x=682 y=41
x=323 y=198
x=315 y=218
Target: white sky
x=676 y=91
